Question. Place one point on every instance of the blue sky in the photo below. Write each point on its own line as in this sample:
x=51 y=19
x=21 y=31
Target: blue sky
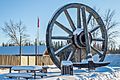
x=28 y=10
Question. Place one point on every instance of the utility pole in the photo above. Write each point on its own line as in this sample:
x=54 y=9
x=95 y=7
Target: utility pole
x=36 y=51
x=20 y=49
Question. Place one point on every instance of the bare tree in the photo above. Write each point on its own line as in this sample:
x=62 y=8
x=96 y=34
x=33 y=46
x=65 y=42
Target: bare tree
x=14 y=31
x=110 y=25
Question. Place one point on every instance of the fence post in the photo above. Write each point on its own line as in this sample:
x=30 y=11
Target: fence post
x=66 y=68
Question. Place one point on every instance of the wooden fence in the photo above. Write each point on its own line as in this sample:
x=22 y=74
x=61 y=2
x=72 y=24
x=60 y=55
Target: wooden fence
x=25 y=60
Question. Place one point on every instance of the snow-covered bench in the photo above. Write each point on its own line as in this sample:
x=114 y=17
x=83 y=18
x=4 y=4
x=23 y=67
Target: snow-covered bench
x=41 y=74
x=31 y=69
x=19 y=75
x=7 y=66
x=27 y=68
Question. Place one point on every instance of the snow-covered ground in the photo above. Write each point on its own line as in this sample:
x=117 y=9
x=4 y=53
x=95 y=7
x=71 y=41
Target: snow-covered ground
x=102 y=73
x=110 y=72
x=114 y=59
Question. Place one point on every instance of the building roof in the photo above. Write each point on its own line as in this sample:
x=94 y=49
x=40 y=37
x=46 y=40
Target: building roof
x=26 y=50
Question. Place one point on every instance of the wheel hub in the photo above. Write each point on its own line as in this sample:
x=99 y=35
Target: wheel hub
x=79 y=38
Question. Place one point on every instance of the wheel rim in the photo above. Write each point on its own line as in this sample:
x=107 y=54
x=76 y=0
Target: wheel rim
x=79 y=35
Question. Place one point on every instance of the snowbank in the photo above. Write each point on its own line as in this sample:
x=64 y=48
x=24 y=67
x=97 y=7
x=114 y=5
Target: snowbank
x=88 y=76
x=101 y=73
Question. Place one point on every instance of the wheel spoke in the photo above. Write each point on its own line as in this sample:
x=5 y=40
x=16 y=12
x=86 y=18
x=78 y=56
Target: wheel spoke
x=85 y=31
x=79 y=52
x=98 y=52
x=71 y=55
x=59 y=51
x=89 y=17
x=98 y=39
x=78 y=18
x=69 y=20
x=61 y=37
x=94 y=29
x=63 y=27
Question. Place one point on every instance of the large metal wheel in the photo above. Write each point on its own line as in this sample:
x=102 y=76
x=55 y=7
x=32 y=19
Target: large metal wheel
x=80 y=30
